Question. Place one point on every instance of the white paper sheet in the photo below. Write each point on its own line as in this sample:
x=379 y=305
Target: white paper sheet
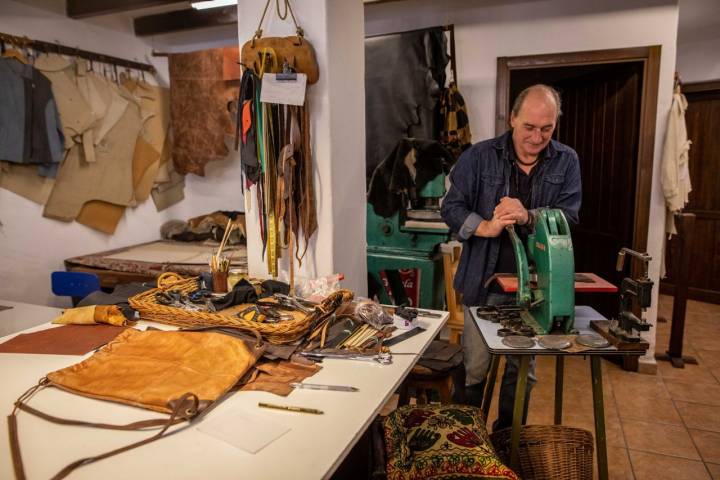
x=286 y=92
x=243 y=430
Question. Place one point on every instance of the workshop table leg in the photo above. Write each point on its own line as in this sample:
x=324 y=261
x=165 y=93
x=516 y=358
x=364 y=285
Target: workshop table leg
x=489 y=385
x=520 y=391
x=599 y=410
x=559 y=372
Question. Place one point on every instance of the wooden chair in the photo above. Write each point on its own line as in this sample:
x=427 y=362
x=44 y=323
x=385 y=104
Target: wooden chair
x=76 y=285
x=421 y=378
x=451 y=259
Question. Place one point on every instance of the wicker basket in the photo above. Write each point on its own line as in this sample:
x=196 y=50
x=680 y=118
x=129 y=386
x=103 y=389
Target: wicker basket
x=277 y=333
x=549 y=452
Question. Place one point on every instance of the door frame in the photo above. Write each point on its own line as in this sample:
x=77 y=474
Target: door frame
x=650 y=58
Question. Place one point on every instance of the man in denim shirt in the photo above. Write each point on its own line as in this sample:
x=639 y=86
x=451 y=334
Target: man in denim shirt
x=500 y=182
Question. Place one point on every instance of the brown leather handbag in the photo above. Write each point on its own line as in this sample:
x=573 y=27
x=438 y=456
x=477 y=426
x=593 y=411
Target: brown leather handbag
x=295 y=50
x=180 y=373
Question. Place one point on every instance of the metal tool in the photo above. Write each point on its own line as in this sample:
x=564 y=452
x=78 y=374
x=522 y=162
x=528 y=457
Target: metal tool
x=383 y=358
x=628 y=326
x=403 y=336
x=550 y=303
x=425 y=313
x=295 y=303
x=317 y=386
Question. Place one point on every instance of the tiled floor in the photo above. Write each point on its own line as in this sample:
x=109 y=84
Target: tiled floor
x=665 y=426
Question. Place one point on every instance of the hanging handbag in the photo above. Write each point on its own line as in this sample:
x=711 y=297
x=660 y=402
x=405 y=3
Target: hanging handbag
x=295 y=50
x=183 y=374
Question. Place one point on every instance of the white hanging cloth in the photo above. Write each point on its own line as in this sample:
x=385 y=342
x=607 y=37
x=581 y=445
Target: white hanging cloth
x=675 y=162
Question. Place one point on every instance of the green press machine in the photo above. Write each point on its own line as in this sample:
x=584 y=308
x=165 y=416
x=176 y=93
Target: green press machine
x=409 y=239
x=549 y=305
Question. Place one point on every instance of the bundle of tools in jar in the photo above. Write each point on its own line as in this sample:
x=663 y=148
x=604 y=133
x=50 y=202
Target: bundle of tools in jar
x=218 y=261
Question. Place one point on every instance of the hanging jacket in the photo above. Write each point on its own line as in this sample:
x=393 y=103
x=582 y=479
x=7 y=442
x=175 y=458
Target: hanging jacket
x=29 y=123
x=675 y=161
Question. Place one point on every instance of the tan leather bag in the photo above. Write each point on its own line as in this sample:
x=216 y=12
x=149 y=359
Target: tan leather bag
x=296 y=50
x=180 y=373
x=274 y=51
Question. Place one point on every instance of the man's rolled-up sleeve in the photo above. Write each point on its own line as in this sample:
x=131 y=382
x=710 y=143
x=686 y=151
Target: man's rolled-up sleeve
x=457 y=205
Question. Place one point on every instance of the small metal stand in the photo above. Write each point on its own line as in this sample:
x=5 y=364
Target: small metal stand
x=681 y=262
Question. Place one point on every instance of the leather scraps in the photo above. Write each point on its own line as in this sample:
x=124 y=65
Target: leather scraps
x=401 y=101
x=276 y=376
x=92 y=315
x=404 y=172
x=200 y=97
x=64 y=340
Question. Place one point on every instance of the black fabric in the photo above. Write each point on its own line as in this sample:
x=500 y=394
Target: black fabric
x=269 y=287
x=393 y=183
x=242 y=292
x=404 y=76
x=119 y=297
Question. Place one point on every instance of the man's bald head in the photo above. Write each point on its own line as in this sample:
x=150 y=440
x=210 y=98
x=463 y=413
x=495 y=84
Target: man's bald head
x=538 y=92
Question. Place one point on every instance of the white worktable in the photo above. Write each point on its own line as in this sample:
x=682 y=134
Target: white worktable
x=21 y=316
x=313 y=448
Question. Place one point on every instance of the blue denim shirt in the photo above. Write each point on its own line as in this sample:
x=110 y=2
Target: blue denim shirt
x=480 y=178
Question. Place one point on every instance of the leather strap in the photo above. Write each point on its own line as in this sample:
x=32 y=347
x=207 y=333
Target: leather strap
x=186 y=409
x=298 y=29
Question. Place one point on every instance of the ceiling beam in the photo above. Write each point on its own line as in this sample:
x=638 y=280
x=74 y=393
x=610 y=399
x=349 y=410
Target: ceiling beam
x=91 y=8
x=184 y=20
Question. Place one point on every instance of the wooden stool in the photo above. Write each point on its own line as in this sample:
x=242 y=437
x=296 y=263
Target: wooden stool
x=422 y=379
x=456 y=321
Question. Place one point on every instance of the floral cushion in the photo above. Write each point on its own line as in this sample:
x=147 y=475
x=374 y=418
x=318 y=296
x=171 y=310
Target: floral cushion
x=440 y=442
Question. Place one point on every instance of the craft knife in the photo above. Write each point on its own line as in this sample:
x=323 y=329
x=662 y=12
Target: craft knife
x=317 y=386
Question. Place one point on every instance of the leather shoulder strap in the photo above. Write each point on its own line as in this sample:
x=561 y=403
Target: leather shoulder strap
x=184 y=410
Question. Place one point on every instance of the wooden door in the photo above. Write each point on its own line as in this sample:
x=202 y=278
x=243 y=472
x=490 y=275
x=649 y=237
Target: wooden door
x=703 y=120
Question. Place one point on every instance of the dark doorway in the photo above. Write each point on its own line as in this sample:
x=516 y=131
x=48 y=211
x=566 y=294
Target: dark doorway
x=604 y=120
x=702 y=118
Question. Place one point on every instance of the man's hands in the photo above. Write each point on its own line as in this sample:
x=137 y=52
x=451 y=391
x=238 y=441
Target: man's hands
x=495 y=226
x=514 y=208
x=508 y=212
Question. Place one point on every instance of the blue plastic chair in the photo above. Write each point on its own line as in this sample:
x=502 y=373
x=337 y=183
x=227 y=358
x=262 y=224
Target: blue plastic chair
x=77 y=285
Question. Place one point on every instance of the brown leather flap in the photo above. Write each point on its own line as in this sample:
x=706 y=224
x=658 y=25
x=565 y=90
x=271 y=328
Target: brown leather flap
x=65 y=340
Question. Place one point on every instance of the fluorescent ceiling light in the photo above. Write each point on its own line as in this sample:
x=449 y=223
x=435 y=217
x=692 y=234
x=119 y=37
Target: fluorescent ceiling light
x=212 y=4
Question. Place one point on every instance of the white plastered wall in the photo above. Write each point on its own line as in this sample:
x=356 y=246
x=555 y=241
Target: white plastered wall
x=337 y=117
x=487 y=30
x=698 y=44
x=32 y=246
